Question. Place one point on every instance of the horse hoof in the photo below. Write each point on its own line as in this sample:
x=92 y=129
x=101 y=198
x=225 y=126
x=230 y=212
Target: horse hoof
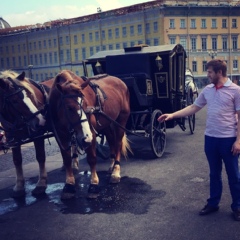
x=93 y=191
x=115 y=179
x=18 y=194
x=39 y=191
x=68 y=192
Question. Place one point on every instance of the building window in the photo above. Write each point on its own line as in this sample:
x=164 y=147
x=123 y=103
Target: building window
x=90 y=37
x=172 y=23
x=193 y=23
x=155 y=42
x=2 y=63
x=204 y=44
x=45 y=58
x=182 y=23
x=117 y=46
x=147 y=28
x=234 y=23
x=97 y=36
x=61 y=56
x=19 y=49
x=50 y=58
x=83 y=38
x=103 y=47
x=76 y=54
x=103 y=35
x=132 y=43
x=124 y=31
x=14 y=62
x=13 y=50
x=75 y=39
x=91 y=51
x=25 y=60
x=44 y=44
x=55 y=57
x=224 y=23
x=155 y=26
x=97 y=49
x=148 y=42
x=204 y=23
x=35 y=45
x=55 y=42
x=61 y=41
x=19 y=61
x=68 y=55
x=36 y=59
x=214 y=23
x=124 y=45
x=139 y=29
x=235 y=64
x=40 y=59
x=214 y=43
x=110 y=33
x=67 y=40
x=132 y=30
x=183 y=42
x=117 y=32
x=194 y=43
x=172 y=40
x=194 y=66
x=83 y=53
x=204 y=64
x=225 y=43
x=234 y=42
x=110 y=47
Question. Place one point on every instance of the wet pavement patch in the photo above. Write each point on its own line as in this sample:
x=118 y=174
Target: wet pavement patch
x=130 y=195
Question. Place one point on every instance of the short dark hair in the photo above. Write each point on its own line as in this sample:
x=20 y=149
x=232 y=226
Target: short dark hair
x=218 y=65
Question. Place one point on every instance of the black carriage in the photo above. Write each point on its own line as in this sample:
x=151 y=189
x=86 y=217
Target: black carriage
x=155 y=76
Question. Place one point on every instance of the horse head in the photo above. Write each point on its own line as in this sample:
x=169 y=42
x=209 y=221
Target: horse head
x=19 y=105
x=70 y=111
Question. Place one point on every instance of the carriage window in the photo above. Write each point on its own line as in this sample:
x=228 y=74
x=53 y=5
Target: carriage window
x=194 y=66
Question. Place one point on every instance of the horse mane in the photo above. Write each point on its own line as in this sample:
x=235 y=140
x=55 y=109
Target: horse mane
x=13 y=75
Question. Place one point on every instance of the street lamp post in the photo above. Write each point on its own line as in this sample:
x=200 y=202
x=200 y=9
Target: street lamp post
x=30 y=67
x=212 y=54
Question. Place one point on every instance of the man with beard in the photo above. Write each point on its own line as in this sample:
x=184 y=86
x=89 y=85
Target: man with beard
x=222 y=133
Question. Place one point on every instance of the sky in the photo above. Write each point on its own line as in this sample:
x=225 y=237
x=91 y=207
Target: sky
x=22 y=12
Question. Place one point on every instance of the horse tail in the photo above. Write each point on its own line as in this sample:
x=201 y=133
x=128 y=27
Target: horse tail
x=126 y=146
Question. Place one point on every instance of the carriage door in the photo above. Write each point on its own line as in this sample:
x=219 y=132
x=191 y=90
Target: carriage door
x=176 y=68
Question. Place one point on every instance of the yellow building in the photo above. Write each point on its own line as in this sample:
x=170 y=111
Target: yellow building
x=205 y=28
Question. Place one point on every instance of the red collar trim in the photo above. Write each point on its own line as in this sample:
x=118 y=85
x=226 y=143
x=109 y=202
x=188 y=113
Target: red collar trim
x=218 y=87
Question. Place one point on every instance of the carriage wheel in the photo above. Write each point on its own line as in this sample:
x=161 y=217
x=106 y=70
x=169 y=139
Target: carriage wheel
x=191 y=118
x=157 y=134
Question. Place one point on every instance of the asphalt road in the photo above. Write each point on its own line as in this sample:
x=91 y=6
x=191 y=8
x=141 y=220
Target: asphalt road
x=157 y=199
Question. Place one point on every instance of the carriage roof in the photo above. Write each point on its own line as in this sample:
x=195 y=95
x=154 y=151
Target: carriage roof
x=137 y=50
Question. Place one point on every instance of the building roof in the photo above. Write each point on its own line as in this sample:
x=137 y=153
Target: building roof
x=4 y=24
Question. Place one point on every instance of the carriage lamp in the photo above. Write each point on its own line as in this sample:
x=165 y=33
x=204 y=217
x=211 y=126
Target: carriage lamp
x=98 y=67
x=158 y=61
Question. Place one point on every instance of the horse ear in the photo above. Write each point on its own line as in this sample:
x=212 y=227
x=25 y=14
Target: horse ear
x=21 y=76
x=85 y=83
x=59 y=87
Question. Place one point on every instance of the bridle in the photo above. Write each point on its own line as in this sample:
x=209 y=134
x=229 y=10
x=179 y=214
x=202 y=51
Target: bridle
x=20 y=122
x=71 y=125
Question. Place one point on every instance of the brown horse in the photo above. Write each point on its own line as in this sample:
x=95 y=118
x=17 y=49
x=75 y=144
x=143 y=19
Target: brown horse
x=82 y=107
x=23 y=117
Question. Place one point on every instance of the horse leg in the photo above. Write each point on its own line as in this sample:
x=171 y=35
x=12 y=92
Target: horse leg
x=41 y=158
x=69 y=188
x=93 y=190
x=19 y=188
x=75 y=163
